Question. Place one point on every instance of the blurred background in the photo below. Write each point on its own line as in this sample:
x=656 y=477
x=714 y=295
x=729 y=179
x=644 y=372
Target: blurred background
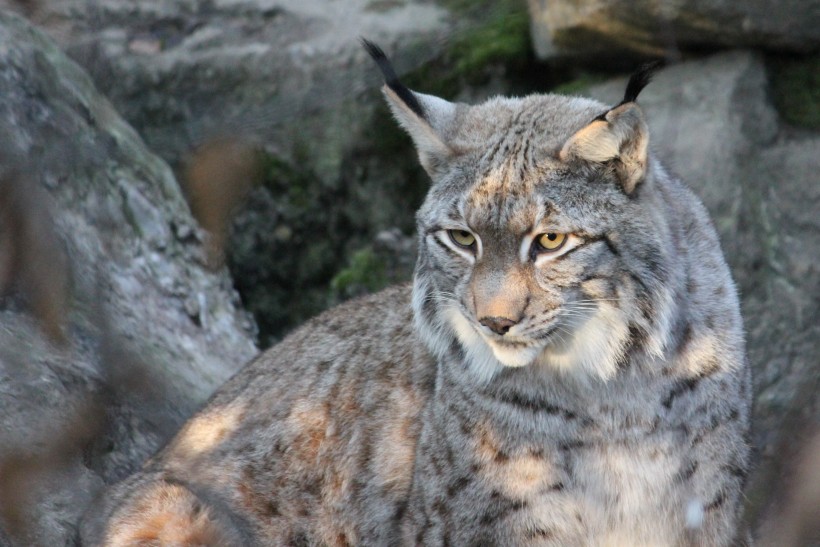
x=183 y=182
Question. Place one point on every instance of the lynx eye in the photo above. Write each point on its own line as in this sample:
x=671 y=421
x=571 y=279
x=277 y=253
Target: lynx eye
x=550 y=242
x=462 y=238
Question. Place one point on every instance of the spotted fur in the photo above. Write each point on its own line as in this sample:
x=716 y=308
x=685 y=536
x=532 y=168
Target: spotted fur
x=597 y=395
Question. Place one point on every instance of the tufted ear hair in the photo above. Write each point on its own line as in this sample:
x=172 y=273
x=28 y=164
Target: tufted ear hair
x=619 y=136
x=425 y=118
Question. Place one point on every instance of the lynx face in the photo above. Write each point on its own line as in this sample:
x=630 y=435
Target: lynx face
x=520 y=266
x=537 y=242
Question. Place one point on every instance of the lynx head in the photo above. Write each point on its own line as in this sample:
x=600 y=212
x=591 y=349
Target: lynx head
x=540 y=240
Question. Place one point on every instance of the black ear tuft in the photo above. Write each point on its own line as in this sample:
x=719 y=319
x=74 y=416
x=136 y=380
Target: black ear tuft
x=639 y=80
x=390 y=78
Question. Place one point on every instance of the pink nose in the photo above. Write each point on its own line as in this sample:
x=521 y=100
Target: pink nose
x=499 y=325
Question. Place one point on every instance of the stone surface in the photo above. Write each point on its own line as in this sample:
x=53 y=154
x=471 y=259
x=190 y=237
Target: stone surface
x=111 y=329
x=711 y=122
x=289 y=76
x=610 y=28
x=183 y=72
x=779 y=277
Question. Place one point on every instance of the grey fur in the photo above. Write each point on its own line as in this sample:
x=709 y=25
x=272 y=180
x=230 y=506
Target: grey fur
x=614 y=411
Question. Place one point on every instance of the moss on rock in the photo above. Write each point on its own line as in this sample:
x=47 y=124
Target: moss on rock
x=286 y=241
x=503 y=38
x=365 y=272
x=796 y=89
x=579 y=84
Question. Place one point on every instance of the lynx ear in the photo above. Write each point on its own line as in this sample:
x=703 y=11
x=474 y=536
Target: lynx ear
x=620 y=135
x=424 y=117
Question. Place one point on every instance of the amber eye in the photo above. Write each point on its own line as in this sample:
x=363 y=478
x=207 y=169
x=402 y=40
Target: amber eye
x=551 y=242
x=462 y=238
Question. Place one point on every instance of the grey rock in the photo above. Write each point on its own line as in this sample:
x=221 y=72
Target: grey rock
x=609 y=28
x=101 y=353
x=286 y=75
x=779 y=278
x=184 y=72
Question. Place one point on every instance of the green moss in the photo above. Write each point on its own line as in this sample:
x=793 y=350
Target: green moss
x=500 y=35
x=284 y=179
x=580 y=84
x=434 y=78
x=365 y=272
x=496 y=49
x=286 y=245
x=503 y=39
x=796 y=89
x=496 y=34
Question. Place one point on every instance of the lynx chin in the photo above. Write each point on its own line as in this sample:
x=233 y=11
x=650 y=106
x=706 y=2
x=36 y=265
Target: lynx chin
x=566 y=369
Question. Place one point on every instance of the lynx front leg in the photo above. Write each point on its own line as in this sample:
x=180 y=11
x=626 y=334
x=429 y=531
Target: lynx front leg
x=152 y=511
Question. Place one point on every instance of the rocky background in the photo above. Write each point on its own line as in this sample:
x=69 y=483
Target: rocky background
x=182 y=182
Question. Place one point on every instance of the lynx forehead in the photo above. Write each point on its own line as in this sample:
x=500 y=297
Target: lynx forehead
x=567 y=368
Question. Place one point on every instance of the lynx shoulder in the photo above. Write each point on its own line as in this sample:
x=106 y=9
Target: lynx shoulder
x=567 y=367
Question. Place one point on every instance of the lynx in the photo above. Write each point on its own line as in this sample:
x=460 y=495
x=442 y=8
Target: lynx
x=567 y=367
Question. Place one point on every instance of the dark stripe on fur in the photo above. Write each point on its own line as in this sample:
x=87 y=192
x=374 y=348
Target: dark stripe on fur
x=687 y=472
x=681 y=387
x=736 y=470
x=516 y=399
x=541 y=533
x=714 y=423
x=503 y=507
x=611 y=245
x=391 y=79
x=572 y=445
x=458 y=485
x=686 y=337
x=719 y=500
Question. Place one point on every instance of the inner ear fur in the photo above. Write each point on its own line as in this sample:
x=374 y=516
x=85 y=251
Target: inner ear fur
x=426 y=129
x=425 y=118
x=620 y=136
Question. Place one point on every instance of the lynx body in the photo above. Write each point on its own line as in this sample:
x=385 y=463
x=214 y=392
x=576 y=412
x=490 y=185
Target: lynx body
x=567 y=368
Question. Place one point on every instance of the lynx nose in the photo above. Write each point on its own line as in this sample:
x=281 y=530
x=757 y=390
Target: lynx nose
x=499 y=325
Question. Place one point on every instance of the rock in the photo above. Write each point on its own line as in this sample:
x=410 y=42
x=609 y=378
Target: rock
x=185 y=72
x=779 y=278
x=711 y=122
x=609 y=28
x=102 y=353
x=288 y=76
